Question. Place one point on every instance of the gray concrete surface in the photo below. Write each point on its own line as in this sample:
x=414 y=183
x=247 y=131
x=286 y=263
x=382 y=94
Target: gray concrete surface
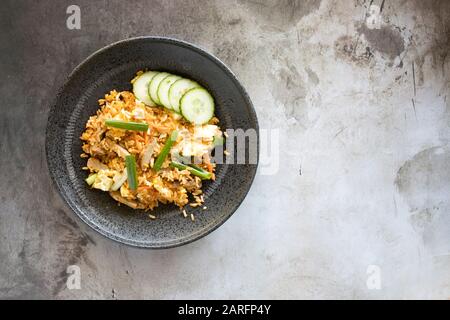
x=364 y=175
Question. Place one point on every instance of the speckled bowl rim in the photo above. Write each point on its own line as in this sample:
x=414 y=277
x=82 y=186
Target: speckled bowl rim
x=137 y=244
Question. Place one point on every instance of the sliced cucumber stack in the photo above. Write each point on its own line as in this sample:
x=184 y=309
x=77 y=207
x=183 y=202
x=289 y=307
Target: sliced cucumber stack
x=183 y=96
x=163 y=90
x=154 y=85
x=178 y=89
x=197 y=106
x=140 y=87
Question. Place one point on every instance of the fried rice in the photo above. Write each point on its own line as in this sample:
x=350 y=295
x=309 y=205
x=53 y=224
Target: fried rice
x=105 y=149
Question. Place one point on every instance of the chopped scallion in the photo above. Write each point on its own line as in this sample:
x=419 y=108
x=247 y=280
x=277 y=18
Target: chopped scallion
x=165 y=150
x=127 y=125
x=196 y=171
x=130 y=163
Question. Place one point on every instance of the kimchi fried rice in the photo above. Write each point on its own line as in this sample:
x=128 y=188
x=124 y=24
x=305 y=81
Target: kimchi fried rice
x=108 y=148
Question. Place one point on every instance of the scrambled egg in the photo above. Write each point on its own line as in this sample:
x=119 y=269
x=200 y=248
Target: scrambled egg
x=200 y=142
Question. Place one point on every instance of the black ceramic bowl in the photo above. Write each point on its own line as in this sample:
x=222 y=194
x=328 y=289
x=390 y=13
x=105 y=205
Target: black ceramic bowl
x=112 y=68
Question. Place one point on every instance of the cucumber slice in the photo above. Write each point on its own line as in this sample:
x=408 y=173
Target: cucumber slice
x=163 y=90
x=177 y=90
x=154 y=84
x=140 y=87
x=197 y=106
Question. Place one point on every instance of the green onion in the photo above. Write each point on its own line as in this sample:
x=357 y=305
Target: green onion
x=218 y=141
x=130 y=163
x=165 y=150
x=196 y=171
x=91 y=179
x=127 y=125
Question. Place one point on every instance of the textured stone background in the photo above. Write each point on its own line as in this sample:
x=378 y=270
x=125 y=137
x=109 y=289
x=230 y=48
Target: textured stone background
x=363 y=116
